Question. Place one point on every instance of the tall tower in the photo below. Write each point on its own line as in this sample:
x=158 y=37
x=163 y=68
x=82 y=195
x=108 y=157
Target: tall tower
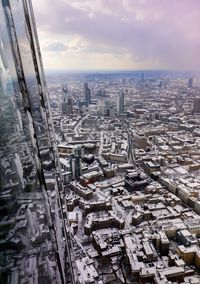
x=34 y=246
x=101 y=108
x=190 y=82
x=87 y=94
x=142 y=77
x=67 y=102
x=196 y=105
x=69 y=105
x=106 y=106
x=120 y=103
x=64 y=100
x=75 y=163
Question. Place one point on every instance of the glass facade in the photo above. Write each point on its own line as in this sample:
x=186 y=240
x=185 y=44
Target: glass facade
x=34 y=241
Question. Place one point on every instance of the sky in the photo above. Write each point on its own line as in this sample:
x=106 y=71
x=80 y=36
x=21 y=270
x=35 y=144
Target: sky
x=119 y=34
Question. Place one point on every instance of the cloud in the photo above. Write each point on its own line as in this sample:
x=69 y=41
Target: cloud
x=56 y=47
x=151 y=33
x=75 y=45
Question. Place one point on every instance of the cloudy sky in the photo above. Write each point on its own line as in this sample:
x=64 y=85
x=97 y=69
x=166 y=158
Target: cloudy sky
x=119 y=34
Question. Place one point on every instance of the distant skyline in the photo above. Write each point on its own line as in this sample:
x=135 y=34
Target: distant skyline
x=119 y=34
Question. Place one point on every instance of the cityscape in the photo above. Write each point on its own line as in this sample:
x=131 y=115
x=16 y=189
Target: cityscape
x=99 y=169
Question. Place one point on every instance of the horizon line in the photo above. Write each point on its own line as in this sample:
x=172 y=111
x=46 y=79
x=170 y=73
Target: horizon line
x=115 y=71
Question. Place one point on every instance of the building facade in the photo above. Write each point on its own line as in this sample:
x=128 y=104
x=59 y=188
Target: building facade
x=87 y=94
x=34 y=244
x=120 y=103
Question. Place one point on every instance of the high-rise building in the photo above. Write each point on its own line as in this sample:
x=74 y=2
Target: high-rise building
x=190 y=82
x=67 y=102
x=120 y=103
x=78 y=151
x=69 y=105
x=111 y=112
x=106 y=106
x=34 y=244
x=64 y=100
x=87 y=94
x=101 y=108
x=196 y=105
x=142 y=77
x=75 y=163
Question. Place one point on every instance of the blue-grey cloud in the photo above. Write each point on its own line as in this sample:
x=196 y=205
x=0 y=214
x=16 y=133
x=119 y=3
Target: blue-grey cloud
x=56 y=47
x=166 y=31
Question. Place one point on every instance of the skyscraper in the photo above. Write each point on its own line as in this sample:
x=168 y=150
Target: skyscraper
x=64 y=100
x=75 y=163
x=142 y=77
x=101 y=108
x=87 y=94
x=67 y=102
x=34 y=244
x=190 y=82
x=106 y=106
x=196 y=105
x=120 y=103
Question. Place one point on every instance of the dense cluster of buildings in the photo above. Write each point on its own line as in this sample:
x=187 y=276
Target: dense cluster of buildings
x=134 y=205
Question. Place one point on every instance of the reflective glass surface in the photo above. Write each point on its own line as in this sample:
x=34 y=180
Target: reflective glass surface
x=33 y=240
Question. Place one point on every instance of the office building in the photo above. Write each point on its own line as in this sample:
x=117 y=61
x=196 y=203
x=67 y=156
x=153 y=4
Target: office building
x=196 y=105
x=190 y=82
x=120 y=103
x=64 y=100
x=101 y=108
x=67 y=102
x=33 y=247
x=87 y=94
x=111 y=112
x=75 y=166
x=142 y=77
x=78 y=151
x=75 y=163
x=106 y=106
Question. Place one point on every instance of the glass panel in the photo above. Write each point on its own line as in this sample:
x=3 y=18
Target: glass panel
x=34 y=243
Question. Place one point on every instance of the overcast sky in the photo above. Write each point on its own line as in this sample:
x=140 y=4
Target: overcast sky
x=119 y=34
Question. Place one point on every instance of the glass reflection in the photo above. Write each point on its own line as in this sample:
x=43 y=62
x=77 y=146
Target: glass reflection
x=33 y=241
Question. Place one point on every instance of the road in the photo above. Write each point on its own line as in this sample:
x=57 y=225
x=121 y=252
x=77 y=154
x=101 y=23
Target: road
x=79 y=123
x=101 y=143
